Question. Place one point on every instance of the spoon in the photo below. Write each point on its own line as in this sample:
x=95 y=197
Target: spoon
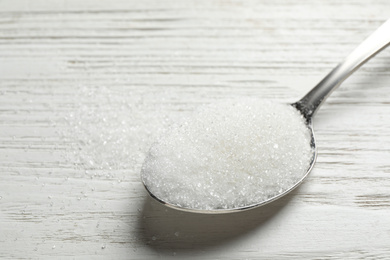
x=309 y=105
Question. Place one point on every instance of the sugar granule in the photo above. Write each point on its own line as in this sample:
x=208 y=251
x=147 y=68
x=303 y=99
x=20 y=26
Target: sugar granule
x=228 y=155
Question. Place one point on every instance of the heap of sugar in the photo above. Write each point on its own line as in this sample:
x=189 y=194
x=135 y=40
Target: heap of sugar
x=228 y=155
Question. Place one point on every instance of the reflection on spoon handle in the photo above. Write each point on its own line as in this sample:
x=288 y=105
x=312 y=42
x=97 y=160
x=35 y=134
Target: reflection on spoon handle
x=377 y=41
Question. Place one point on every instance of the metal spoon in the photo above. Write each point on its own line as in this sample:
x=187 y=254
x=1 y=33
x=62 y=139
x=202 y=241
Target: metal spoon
x=311 y=102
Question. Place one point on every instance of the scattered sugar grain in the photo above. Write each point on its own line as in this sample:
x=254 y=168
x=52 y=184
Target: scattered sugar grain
x=108 y=129
x=229 y=155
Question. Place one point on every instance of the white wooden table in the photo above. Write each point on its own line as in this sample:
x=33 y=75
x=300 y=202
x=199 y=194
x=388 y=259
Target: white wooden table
x=86 y=86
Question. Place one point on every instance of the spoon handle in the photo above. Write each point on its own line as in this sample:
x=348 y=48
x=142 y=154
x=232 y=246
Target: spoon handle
x=375 y=43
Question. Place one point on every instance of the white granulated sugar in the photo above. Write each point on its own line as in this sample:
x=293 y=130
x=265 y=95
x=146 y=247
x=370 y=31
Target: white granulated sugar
x=108 y=128
x=229 y=155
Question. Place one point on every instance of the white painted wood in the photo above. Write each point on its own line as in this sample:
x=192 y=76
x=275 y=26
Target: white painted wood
x=74 y=74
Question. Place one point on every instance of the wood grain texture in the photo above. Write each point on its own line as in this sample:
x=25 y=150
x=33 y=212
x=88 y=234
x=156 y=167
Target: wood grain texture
x=74 y=74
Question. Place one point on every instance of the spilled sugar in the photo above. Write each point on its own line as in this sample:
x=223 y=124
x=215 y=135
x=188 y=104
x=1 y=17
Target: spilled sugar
x=229 y=155
x=107 y=130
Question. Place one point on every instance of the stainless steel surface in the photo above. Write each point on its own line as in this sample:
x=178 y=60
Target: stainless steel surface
x=312 y=101
x=376 y=42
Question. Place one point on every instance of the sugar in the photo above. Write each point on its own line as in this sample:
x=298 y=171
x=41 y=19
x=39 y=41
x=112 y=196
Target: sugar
x=105 y=133
x=228 y=155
